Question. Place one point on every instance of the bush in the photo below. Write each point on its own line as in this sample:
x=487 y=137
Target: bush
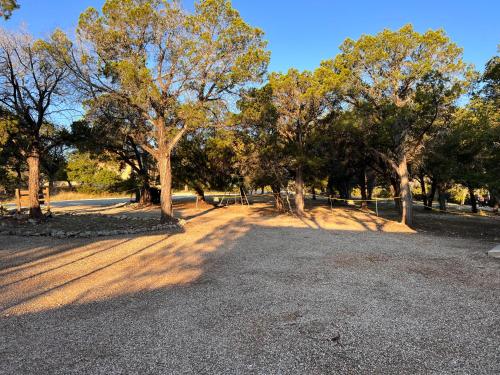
x=90 y=175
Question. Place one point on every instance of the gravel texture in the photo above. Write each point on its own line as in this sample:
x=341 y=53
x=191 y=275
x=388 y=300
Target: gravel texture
x=243 y=291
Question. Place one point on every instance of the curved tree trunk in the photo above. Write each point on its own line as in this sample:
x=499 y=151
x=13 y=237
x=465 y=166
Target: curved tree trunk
x=299 y=191
x=406 y=196
x=34 y=185
x=165 y=169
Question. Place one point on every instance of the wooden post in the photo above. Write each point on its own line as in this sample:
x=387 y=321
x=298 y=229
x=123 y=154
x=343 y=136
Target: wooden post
x=18 y=201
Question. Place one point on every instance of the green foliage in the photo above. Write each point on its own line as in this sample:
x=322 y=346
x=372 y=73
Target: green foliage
x=7 y=7
x=90 y=174
x=173 y=67
x=206 y=160
x=403 y=81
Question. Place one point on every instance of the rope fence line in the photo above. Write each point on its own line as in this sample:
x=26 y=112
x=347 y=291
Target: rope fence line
x=376 y=200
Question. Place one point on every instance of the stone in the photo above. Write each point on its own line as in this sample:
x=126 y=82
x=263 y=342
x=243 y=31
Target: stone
x=495 y=252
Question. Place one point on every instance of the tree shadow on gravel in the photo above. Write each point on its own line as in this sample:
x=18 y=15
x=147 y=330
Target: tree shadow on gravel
x=250 y=293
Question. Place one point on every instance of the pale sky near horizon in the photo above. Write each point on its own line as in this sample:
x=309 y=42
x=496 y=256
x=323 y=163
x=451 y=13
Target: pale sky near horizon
x=301 y=33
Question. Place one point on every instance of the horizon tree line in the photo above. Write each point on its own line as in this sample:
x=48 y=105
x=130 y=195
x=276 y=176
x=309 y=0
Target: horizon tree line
x=188 y=95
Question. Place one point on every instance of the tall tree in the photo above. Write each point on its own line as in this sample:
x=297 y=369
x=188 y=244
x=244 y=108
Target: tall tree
x=263 y=158
x=300 y=102
x=408 y=81
x=491 y=96
x=177 y=69
x=31 y=88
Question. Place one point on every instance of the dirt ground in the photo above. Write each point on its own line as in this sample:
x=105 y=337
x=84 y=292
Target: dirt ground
x=243 y=290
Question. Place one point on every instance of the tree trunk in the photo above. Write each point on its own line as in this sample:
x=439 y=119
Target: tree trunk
x=421 y=179
x=165 y=169
x=200 y=193
x=406 y=197
x=313 y=191
x=396 y=193
x=262 y=190
x=430 y=198
x=473 y=201
x=34 y=185
x=495 y=202
x=145 y=197
x=278 y=200
x=299 y=191
x=441 y=197
x=329 y=186
x=363 y=188
x=370 y=184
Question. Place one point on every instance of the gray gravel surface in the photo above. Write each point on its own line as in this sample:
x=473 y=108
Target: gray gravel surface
x=275 y=296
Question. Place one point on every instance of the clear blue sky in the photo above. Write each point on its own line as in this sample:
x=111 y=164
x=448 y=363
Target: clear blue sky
x=301 y=33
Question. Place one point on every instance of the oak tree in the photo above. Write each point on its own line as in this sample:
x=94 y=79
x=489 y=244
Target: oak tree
x=177 y=69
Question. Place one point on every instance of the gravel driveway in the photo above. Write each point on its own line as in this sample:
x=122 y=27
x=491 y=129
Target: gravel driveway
x=244 y=291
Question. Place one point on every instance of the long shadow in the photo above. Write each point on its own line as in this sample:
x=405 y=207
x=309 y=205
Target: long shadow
x=31 y=297
x=257 y=297
x=23 y=260
x=62 y=265
x=201 y=213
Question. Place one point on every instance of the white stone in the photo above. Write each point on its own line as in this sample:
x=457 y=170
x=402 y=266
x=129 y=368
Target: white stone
x=495 y=252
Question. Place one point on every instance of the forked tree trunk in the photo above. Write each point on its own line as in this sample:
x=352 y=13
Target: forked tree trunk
x=406 y=196
x=34 y=185
x=473 y=201
x=165 y=169
x=299 y=191
x=278 y=199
